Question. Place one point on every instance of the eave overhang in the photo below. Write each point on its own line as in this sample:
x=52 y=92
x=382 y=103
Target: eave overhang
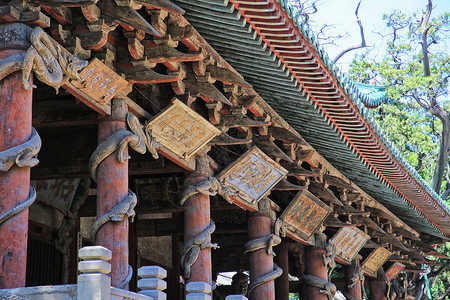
x=279 y=56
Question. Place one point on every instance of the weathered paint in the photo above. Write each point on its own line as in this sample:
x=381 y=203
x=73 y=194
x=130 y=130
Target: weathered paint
x=349 y=241
x=394 y=270
x=15 y=129
x=282 y=282
x=314 y=266
x=197 y=217
x=259 y=225
x=377 y=287
x=354 y=291
x=112 y=187
x=303 y=215
x=251 y=177
x=375 y=261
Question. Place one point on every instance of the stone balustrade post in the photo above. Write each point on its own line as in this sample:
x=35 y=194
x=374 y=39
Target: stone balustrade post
x=152 y=283
x=94 y=283
x=236 y=297
x=198 y=291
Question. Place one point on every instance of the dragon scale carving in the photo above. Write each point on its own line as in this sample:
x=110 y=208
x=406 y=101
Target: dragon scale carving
x=19 y=207
x=192 y=248
x=51 y=64
x=326 y=288
x=116 y=214
x=267 y=242
x=329 y=256
x=23 y=155
x=358 y=275
x=211 y=186
x=119 y=140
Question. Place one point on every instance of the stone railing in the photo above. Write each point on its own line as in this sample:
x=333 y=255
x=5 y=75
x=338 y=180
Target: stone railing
x=94 y=282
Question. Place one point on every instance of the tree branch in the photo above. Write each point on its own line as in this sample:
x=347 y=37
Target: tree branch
x=363 y=40
x=424 y=27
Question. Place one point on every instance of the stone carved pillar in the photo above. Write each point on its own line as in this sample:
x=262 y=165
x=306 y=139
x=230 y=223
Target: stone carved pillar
x=352 y=280
x=112 y=188
x=260 y=262
x=15 y=129
x=282 y=260
x=378 y=286
x=197 y=220
x=315 y=267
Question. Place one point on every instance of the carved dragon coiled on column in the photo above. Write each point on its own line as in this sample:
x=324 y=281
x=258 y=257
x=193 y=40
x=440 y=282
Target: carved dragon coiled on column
x=19 y=207
x=124 y=208
x=119 y=140
x=326 y=287
x=211 y=186
x=358 y=275
x=267 y=242
x=51 y=64
x=116 y=214
x=329 y=256
x=192 y=248
x=23 y=155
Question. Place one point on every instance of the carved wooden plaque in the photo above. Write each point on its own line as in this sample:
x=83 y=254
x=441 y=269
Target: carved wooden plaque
x=348 y=242
x=375 y=261
x=394 y=270
x=251 y=177
x=100 y=82
x=303 y=215
x=57 y=193
x=182 y=130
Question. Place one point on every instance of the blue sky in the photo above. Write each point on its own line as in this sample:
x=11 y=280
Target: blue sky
x=341 y=14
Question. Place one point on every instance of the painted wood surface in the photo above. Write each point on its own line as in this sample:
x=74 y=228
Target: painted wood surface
x=182 y=130
x=348 y=242
x=375 y=261
x=57 y=193
x=303 y=215
x=100 y=82
x=394 y=270
x=251 y=177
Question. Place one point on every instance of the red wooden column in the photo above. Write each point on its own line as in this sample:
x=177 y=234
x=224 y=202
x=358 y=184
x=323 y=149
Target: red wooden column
x=260 y=263
x=197 y=218
x=354 y=291
x=377 y=286
x=15 y=129
x=282 y=260
x=112 y=187
x=315 y=267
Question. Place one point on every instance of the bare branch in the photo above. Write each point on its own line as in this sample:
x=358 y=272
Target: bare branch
x=424 y=27
x=420 y=157
x=363 y=40
x=421 y=102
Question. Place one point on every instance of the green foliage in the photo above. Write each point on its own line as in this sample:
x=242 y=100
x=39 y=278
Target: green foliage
x=408 y=120
x=412 y=119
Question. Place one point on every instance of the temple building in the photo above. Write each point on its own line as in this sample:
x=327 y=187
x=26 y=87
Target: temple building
x=197 y=149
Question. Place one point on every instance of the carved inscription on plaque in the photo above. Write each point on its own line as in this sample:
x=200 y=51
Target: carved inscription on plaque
x=375 y=261
x=100 y=82
x=303 y=215
x=58 y=193
x=348 y=241
x=251 y=177
x=394 y=270
x=182 y=130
